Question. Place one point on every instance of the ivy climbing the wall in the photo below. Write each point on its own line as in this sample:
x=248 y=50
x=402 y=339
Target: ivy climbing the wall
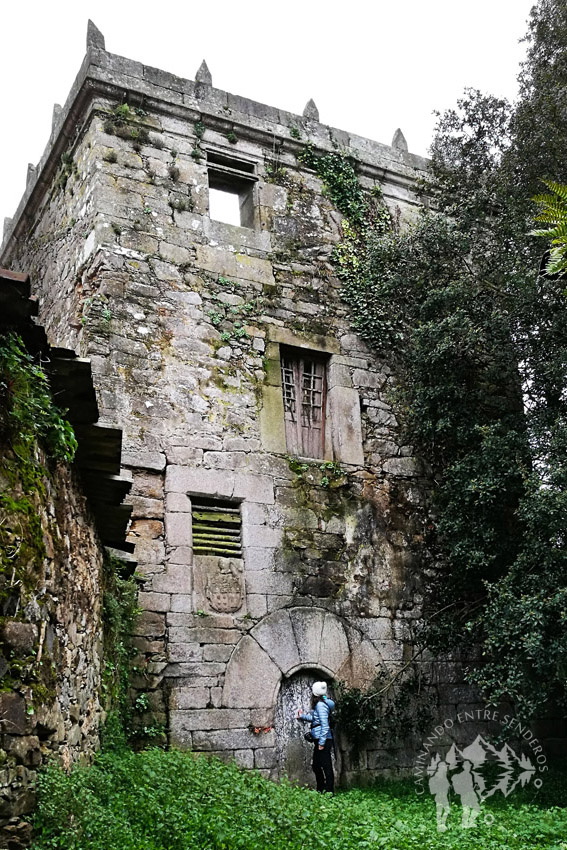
x=361 y=209
x=33 y=430
x=365 y=214
x=27 y=412
x=119 y=613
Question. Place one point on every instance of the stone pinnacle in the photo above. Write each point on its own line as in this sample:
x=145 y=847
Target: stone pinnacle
x=399 y=142
x=203 y=75
x=94 y=37
x=311 y=110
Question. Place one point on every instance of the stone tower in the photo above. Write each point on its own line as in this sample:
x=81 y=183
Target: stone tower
x=176 y=241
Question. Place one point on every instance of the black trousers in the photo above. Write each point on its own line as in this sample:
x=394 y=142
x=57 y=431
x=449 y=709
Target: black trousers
x=323 y=767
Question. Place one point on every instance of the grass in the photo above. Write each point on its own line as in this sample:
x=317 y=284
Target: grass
x=158 y=800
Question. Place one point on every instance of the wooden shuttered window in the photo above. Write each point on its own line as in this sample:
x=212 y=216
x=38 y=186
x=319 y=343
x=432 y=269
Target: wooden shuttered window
x=216 y=527
x=304 y=391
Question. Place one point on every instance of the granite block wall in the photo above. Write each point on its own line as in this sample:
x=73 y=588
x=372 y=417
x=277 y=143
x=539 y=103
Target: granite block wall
x=185 y=319
x=50 y=640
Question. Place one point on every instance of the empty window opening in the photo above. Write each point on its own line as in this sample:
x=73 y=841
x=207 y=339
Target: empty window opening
x=231 y=190
x=224 y=206
x=216 y=527
x=304 y=399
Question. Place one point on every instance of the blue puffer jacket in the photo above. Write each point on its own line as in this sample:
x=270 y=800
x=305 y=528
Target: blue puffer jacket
x=319 y=719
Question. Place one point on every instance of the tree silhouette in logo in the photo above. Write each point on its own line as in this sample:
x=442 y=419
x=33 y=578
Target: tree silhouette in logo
x=470 y=773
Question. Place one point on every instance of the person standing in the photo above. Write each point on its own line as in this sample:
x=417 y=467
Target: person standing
x=322 y=736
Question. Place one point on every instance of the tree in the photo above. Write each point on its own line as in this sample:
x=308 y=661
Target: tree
x=480 y=344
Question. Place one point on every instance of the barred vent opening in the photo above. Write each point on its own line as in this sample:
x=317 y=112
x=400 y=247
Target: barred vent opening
x=217 y=528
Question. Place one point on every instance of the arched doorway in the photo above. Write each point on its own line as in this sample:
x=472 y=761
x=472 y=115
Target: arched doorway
x=294 y=753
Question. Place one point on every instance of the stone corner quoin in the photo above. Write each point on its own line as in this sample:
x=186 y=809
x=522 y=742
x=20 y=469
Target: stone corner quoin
x=222 y=350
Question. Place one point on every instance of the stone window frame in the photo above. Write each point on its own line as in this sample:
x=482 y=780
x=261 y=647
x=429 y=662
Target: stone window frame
x=235 y=175
x=343 y=428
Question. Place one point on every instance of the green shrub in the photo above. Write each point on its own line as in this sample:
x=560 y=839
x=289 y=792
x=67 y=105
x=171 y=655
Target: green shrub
x=27 y=412
x=158 y=800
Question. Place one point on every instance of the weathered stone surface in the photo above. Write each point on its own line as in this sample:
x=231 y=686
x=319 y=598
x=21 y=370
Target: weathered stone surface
x=203 y=75
x=13 y=713
x=362 y=665
x=254 y=488
x=236 y=265
x=257 y=605
x=268 y=581
x=142 y=507
x=244 y=758
x=210 y=718
x=94 y=37
x=183 y=652
x=334 y=647
x=217 y=652
x=259 y=558
x=184 y=634
x=178 y=529
x=180 y=479
x=176 y=578
x=310 y=110
x=308 y=629
x=181 y=603
x=58 y=602
x=228 y=739
x=26 y=750
x=178 y=502
x=155 y=601
x=404 y=467
x=261 y=536
x=344 y=404
x=399 y=142
x=150 y=624
x=183 y=697
x=275 y=634
x=251 y=677
x=180 y=555
x=265 y=757
x=272 y=426
x=145 y=460
x=19 y=637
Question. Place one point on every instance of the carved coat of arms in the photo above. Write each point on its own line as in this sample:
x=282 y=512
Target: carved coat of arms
x=225 y=586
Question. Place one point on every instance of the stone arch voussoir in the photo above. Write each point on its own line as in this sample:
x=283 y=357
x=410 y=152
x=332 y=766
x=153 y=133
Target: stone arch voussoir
x=292 y=639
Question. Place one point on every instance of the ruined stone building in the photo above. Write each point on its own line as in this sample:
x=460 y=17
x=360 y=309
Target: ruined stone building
x=55 y=521
x=273 y=499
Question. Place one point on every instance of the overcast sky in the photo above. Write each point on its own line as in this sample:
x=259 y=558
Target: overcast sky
x=370 y=65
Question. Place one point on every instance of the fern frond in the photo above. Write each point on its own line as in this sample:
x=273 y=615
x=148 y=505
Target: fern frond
x=559 y=189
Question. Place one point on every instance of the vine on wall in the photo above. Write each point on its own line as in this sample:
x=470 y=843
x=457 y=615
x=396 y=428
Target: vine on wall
x=33 y=431
x=31 y=427
x=119 y=613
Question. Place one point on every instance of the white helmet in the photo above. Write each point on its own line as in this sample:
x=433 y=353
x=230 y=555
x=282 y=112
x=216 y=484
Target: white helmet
x=319 y=689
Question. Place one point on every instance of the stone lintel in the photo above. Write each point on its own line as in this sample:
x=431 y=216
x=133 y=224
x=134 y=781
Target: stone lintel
x=313 y=342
